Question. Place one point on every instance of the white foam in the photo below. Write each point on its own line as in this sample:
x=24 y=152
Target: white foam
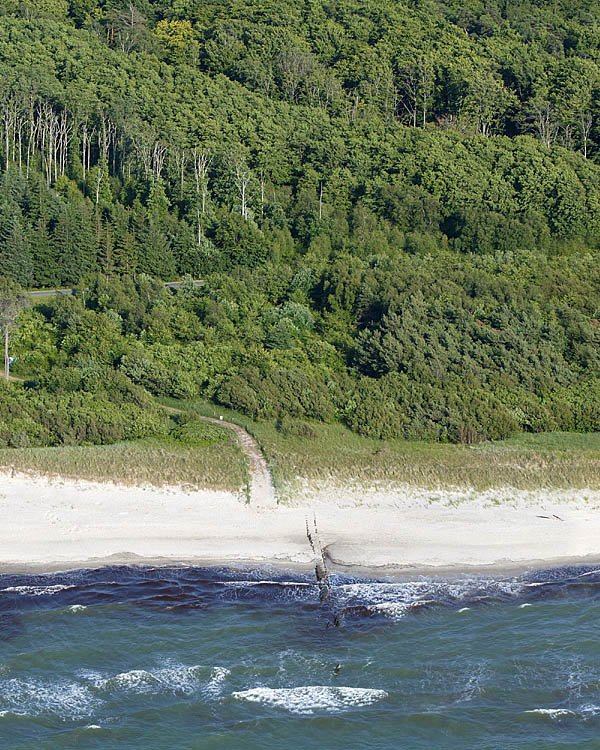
x=64 y=699
x=475 y=683
x=589 y=573
x=464 y=609
x=186 y=680
x=37 y=590
x=588 y=710
x=394 y=610
x=310 y=698
x=77 y=607
x=217 y=678
x=93 y=726
x=553 y=713
x=389 y=597
x=522 y=606
x=249 y=584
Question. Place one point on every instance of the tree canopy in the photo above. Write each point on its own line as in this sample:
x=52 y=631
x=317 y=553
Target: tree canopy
x=395 y=205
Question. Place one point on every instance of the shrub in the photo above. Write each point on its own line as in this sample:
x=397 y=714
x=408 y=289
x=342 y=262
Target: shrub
x=296 y=428
x=197 y=432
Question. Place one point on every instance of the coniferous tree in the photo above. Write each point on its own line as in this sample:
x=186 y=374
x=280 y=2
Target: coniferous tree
x=74 y=243
x=156 y=257
x=46 y=272
x=15 y=251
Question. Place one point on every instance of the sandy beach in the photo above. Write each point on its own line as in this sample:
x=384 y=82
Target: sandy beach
x=51 y=524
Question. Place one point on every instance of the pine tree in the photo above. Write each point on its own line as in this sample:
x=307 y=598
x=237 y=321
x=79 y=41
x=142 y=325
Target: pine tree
x=15 y=251
x=158 y=203
x=156 y=256
x=74 y=243
x=45 y=273
x=125 y=254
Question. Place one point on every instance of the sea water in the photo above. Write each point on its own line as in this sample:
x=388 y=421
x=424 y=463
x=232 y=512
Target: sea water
x=194 y=658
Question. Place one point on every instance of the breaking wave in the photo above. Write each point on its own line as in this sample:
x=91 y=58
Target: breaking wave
x=179 y=589
x=312 y=698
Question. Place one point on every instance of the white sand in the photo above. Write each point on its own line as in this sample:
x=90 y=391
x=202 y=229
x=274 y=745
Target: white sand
x=49 y=524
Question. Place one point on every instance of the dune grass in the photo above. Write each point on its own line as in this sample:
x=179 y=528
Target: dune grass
x=157 y=462
x=337 y=455
x=334 y=455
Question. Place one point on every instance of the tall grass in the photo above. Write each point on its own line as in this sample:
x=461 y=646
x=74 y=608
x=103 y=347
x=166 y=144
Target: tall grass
x=334 y=455
x=337 y=455
x=156 y=462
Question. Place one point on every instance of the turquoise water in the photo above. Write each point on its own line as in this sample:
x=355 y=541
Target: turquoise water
x=203 y=658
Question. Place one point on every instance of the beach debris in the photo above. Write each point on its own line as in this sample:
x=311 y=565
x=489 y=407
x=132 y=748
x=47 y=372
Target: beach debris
x=321 y=570
x=552 y=517
x=322 y=574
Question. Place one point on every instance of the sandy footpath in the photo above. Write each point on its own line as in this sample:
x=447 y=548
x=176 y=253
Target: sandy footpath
x=49 y=524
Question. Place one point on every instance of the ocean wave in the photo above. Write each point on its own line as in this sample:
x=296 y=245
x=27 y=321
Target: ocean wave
x=218 y=677
x=279 y=584
x=397 y=599
x=552 y=713
x=585 y=712
x=393 y=610
x=589 y=710
x=179 y=680
x=64 y=699
x=350 y=598
x=310 y=698
x=37 y=590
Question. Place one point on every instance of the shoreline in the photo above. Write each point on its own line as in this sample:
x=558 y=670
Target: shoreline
x=386 y=572
x=56 y=524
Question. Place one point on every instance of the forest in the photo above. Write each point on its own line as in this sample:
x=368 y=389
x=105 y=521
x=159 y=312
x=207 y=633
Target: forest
x=394 y=207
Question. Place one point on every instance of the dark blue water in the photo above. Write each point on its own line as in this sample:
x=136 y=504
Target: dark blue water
x=197 y=658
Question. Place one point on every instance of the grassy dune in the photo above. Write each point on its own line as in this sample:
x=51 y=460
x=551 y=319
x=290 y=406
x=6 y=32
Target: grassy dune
x=335 y=454
x=156 y=462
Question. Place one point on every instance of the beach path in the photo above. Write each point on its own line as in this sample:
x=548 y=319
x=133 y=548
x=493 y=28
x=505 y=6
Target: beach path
x=262 y=493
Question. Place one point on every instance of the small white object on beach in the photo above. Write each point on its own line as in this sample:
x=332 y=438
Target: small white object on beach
x=221 y=418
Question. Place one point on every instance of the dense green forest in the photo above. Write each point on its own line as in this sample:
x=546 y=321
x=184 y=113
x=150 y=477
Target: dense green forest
x=394 y=205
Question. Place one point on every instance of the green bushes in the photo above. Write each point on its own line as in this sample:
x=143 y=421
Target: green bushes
x=441 y=347
x=394 y=406
x=34 y=417
x=164 y=371
x=277 y=392
x=296 y=428
x=196 y=432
